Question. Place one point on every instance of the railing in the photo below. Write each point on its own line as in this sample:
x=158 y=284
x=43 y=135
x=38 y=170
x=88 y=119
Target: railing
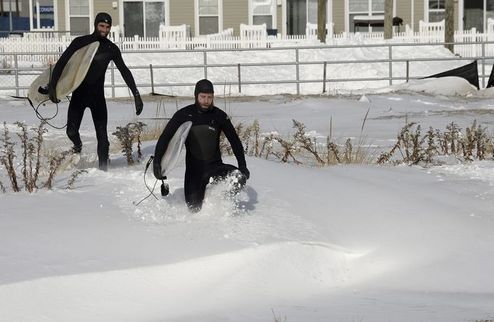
x=296 y=70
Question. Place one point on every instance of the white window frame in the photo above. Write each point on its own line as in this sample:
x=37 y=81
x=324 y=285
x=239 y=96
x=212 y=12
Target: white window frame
x=31 y=16
x=273 y=13
x=347 y=13
x=461 y=8
x=68 y=16
x=427 y=10
x=329 y=14
x=121 y=12
x=196 y=17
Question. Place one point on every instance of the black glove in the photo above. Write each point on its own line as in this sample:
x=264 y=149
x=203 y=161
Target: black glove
x=139 y=104
x=52 y=94
x=157 y=171
x=245 y=172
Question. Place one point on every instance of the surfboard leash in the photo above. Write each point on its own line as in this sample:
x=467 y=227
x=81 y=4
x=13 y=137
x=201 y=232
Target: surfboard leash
x=38 y=114
x=164 y=187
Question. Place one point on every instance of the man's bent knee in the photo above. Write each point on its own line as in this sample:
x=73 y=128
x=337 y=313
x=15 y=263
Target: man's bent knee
x=72 y=132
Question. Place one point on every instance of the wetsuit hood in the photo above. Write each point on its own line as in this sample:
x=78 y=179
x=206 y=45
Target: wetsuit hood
x=102 y=17
x=203 y=86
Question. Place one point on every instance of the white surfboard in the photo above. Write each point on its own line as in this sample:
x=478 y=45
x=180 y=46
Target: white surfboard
x=72 y=75
x=172 y=153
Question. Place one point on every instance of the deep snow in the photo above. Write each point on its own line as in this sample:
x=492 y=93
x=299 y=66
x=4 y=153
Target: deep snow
x=342 y=243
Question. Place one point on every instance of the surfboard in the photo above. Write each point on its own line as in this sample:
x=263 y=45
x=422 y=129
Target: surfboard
x=72 y=75
x=172 y=153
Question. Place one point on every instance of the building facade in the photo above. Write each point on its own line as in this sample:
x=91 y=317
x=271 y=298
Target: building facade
x=287 y=17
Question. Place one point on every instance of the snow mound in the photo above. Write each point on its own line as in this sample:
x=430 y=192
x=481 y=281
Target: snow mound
x=288 y=270
x=445 y=86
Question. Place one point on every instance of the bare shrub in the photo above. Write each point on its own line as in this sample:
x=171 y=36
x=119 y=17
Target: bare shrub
x=54 y=166
x=73 y=178
x=474 y=144
x=33 y=161
x=127 y=136
x=306 y=143
x=8 y=156
x=300 y=147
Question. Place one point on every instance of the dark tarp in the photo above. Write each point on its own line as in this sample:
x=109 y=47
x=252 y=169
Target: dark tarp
x=490 y=83
x=468 y=72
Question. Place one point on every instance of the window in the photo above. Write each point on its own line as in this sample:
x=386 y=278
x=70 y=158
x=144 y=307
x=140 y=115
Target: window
x=436 y=10
x=312 y=11
x=42 y=15
x=263 y=11
x=301 y=12
x=489 y=11
x=154 y=16
x=143 y=17
x=209 y=19
x=365 y=8
x=477 y=13
x=79 y=20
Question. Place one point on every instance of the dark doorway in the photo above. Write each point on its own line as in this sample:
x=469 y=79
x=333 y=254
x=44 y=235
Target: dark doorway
x=474 y=15
x=296 y=17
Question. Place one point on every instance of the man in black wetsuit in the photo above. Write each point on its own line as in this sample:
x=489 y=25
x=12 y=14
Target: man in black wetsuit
x=203 y=156
x=91 y=91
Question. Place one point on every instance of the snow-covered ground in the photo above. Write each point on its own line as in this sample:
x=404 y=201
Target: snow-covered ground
x=342 y=243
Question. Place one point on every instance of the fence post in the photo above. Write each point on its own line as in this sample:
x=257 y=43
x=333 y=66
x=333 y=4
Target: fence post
x=136 y=42
x=152 y=78
x=16 y=66
x=297 y=68
x=483 y=65
x=324 y=78
x=205 y=64
x=390 y=65
x=408 y=70
x=239 y=80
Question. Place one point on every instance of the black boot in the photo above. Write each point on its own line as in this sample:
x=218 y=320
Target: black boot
x=77 y=148
x=103 y=165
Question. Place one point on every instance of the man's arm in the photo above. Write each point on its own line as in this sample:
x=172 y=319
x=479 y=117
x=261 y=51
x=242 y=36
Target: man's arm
x=129 y=80
x=236 y=145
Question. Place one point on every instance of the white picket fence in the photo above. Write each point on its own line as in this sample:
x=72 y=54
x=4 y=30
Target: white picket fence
x=251 y=36
x=311 y=31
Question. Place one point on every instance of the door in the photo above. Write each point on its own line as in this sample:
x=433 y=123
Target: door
x=474 y=15
x=296 y=17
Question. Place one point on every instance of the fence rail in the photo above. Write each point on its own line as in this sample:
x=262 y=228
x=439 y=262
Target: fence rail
x=293 y=66
x=251 y=36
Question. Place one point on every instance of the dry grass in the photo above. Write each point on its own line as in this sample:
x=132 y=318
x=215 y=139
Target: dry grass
x=412 y=147
x=36 y=163
x=127 y=136
x=299 y=148
x=278 y=318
